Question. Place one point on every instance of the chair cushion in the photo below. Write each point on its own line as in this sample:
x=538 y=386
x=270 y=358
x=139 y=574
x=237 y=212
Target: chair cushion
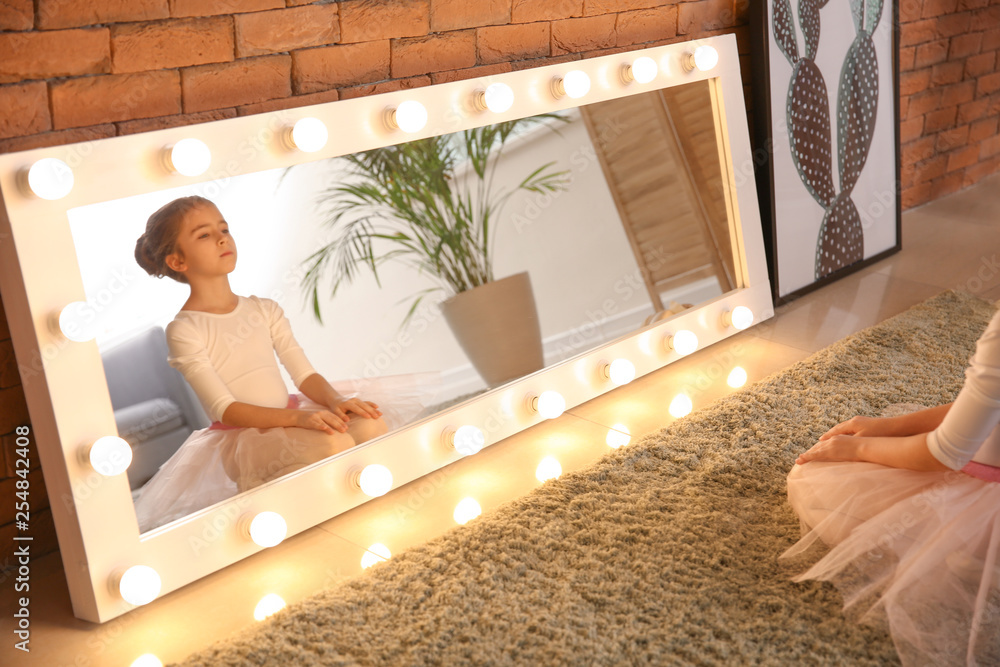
x=148 y=419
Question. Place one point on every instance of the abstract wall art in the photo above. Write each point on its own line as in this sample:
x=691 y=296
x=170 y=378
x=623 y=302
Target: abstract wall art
x=826 y=132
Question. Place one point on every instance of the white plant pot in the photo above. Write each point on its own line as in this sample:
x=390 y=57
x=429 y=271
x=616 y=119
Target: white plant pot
x=497 y=326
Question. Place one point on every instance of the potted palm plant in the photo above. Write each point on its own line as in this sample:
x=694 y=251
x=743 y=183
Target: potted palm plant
x=434 y=204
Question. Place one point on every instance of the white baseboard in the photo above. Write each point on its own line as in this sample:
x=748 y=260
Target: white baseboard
x=464 y=379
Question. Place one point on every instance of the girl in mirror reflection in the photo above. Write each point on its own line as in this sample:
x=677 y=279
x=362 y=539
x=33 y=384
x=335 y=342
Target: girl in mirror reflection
x=909 y=503
x=224 y=345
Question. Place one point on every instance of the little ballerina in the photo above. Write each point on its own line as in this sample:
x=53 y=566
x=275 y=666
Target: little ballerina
x=910 y=506
x=224 y=345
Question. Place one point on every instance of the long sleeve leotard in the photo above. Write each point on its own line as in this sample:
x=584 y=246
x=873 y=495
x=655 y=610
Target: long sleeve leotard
x=229 y=357
x=970 y=430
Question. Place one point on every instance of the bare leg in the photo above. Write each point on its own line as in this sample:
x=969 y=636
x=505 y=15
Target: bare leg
x=363 y=429
x=264 y=459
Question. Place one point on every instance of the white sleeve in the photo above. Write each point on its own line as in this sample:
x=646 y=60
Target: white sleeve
x=976 y=411
x=289 y=351
x=189 y=355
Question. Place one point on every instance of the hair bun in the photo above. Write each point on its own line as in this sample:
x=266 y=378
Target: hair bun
x=142 y=257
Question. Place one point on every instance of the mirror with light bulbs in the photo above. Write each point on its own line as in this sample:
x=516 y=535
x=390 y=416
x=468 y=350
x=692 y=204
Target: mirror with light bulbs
x=629 y=265
x=265 y=171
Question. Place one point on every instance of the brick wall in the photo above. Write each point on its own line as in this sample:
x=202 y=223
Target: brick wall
x=74 y=70
x=949 y=88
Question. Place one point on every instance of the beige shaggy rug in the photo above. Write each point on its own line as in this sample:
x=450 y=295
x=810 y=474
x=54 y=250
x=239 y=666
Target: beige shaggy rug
x=663 y=552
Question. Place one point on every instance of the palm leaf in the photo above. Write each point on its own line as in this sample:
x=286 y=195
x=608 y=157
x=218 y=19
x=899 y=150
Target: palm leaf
x=407 y=199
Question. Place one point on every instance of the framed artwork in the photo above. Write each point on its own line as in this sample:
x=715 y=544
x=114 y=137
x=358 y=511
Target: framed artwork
x=826 y=130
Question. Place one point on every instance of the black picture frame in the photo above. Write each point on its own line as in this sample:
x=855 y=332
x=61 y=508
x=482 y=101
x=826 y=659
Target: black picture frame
x=762 y=136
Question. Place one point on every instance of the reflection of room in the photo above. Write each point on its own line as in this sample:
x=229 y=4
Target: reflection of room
x=133 y=72
x=611 y=184
x=664 y=207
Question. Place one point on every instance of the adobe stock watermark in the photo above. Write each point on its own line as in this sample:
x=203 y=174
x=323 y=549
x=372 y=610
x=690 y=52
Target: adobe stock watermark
x=625 y=287
x=581 y=159
x=82 y=488
x=103 y=637
x=381 y=362
x=90 y=311
x=422 y=490
x=986 y=272
x=249 y=323
x=922 y=506
x=261 y=141
x=714 y=369
x=218 y=523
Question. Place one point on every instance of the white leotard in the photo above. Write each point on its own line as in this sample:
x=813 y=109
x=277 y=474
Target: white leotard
x=229 y=357
x=970 y=430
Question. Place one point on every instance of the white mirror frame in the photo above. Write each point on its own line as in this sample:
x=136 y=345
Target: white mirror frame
x=64 y=381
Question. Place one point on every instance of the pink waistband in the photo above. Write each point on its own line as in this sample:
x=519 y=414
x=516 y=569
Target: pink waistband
x=982 y=471
x=293 y=403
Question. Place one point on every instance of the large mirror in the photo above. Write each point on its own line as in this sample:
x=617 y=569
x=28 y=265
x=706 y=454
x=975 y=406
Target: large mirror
x=627 y=216
x=614 y=215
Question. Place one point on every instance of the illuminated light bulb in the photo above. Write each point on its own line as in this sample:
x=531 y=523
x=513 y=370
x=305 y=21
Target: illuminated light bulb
x=308 y=135
x=620 y=371
x=642 y=70
x=76 y=321
x=618 y=436
x=466 y=510
x=375 y=554
x=703 y=59
x=110 y=455
x=737 y=378
x=467 y=440
x=498 y=98
x=270 y=604
x=266 y=529
x=548 y=468
x=574 y=84
x=139 y=585
x=549 y=404
x=681 y=406
x=374 y=480
x=684 y=342
x=50 y=178
x=741 y=317
x=646 y=342
x=410 y=116
x=190 y=157
x=146 y=660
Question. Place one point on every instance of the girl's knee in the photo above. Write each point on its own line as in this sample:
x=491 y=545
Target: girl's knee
x=363 y=429
x=324 y=445
x=274 y=458
x=311 y=445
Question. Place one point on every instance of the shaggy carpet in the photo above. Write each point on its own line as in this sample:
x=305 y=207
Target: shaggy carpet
x=663 y=552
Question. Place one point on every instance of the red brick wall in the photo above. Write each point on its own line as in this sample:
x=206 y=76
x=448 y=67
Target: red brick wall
x=74 y=70
x=949 y=89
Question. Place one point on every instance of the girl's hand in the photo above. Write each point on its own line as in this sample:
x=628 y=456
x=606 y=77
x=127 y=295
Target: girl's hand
x=320 y=420
x=833 y=448
x=358 y=407
x=860 y=426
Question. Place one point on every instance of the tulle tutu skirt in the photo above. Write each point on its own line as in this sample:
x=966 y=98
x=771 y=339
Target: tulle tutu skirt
x=919 y=551
x=204 y=469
